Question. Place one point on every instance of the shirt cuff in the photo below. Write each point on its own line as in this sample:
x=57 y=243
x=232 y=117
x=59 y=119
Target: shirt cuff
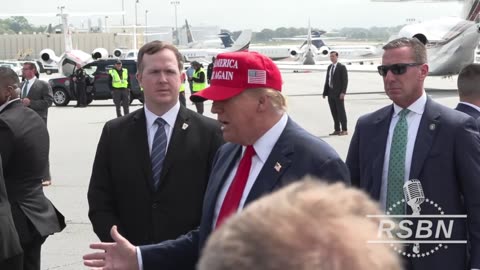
x=140 y=261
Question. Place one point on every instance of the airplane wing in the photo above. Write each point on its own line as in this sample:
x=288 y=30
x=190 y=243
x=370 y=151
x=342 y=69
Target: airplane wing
x=324 y=67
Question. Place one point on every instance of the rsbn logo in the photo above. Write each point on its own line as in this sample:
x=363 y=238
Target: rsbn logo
x=426 y=234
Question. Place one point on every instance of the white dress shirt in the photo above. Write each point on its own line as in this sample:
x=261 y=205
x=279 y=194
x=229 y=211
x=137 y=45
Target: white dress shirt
x=30 y=83
x=263 y=146
x=170 y=116
x=413 y=121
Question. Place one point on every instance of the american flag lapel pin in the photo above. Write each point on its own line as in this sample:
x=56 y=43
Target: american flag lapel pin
x=277 y=167
x=184 y=126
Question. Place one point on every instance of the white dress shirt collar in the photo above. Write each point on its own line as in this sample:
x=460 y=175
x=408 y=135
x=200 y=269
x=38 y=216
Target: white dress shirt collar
x=6 y=104
x=31 y=81
x=170 y=116
x=417 y=107
x=264 y=145
x=471 y=105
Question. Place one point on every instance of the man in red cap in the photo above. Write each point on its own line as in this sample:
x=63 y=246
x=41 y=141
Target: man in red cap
x=265 y=151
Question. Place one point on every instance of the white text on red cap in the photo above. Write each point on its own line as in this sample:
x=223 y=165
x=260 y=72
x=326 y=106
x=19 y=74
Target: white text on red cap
x=223 y=74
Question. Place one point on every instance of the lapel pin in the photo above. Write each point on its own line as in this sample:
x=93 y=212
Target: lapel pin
x=184 y=126
x=277 y=167
x=432 y=127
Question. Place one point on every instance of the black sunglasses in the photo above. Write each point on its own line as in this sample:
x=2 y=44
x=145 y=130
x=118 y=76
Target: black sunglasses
x=397 y=69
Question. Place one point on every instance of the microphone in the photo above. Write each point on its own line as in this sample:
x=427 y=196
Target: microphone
x=413 y=191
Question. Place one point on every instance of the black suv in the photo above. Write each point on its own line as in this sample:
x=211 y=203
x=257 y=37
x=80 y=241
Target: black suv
x=97 y=83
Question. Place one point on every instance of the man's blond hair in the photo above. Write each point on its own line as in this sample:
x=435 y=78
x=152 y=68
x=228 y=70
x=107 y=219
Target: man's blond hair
x=307 y=225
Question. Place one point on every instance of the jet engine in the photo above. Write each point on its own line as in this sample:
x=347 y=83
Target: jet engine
x=293 y=52
x=421 y=37
x=48 y=56
x=99 y=53
x=117 y=53
x=324 y=50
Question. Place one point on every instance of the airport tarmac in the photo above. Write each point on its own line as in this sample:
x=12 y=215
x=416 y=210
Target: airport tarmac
x=74 y=134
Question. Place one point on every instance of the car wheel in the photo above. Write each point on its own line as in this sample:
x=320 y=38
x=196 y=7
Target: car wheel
x=89 y=99
x=60 y=97
x=131 y=98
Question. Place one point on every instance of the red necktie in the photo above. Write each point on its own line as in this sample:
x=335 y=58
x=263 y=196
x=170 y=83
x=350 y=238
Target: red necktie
x=235 y=191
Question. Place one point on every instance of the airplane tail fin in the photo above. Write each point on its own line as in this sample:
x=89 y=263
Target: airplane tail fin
x=227 y=40
x=190 y=39
x=471 y=10
x=243 y=41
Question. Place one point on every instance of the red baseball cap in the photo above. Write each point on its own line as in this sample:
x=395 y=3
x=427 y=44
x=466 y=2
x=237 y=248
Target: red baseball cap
x=234 y=72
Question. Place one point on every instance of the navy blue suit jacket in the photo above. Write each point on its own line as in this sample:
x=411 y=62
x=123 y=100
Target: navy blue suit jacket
x=468 y=110
x=446 y=159
x=299 y=154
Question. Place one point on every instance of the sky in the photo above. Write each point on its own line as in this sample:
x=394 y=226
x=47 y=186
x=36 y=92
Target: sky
x=242 y=14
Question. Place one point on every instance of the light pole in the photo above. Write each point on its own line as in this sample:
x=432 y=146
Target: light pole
x=123 y=15
x=175 y=4
x=135 y=28
x=106 y=30
x=146 y=25
x=136 y=21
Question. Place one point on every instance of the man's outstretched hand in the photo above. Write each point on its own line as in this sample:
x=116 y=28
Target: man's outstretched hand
x=119 y=255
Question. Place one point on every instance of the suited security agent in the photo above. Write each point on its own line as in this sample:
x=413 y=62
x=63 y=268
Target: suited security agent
x=468 y=84
x=24 y=149
x=335 y=88
x=417 y=138
x=266 y=150
x=152 y=166
x=37 y=95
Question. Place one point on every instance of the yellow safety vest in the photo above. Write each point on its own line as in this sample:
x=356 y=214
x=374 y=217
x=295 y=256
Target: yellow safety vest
x=116 y=81
x=196 y=85
x=183 y=78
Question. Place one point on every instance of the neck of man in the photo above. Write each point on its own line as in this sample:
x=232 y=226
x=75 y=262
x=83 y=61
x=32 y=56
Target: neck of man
x=263 y=127
x=474 y=101
x=158 y=110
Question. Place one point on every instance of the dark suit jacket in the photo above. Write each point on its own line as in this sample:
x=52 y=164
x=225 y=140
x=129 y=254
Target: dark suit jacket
x=9 y=243
x=298 y=152
x=446 y=160
x=340 y=81
x=24 y=149
x=468 y=110
x=41 y=97
x=121 y=187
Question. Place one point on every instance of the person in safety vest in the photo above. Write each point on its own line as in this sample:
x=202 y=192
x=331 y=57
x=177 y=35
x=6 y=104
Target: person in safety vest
x=181 y=94
x=120 y=87
x=199 y=79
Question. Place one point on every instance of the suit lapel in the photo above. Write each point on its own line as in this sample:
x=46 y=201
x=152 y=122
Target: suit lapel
x=379 y=142
x=275 y=166
x=141 y=150
x=176 y=146
x=222 y=169
x=427 y=130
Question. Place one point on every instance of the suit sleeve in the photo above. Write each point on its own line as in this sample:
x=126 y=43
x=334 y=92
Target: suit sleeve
x=325 y=86
x=181 y=253
x=344 y=79
x=353 y=157
x=46 y=99
x=334 y=170
x=467 y=158
x=6 y=143
x=100 y=195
